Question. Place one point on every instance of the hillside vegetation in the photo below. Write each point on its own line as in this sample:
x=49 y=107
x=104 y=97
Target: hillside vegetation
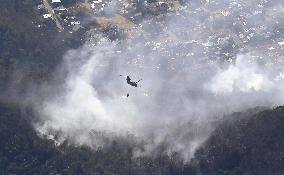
x=25 y=48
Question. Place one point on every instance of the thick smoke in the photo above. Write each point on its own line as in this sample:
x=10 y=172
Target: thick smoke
x=205 y=61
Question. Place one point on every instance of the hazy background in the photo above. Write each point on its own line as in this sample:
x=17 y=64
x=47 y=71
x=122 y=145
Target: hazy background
x=205 y=61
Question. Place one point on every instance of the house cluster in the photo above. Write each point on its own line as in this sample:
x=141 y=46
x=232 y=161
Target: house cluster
x=55 y=10
x=68 y=21
x=131 y=10
x=156 y=6
x=94 y=3
x=45 y=18
x=120 y=17
x=134 y=7
x=98 y=6
x=57 y=6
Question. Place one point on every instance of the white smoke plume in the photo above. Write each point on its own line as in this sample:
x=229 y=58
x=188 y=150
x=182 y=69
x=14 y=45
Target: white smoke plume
x=196 y=66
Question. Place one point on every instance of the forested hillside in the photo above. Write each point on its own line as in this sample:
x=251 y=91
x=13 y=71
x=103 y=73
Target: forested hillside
x=24 y=152
x=252 y=143
x=26 y=49
x=248 y=144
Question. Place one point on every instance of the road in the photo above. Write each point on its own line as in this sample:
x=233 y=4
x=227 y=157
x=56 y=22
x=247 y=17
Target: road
x=54 y=17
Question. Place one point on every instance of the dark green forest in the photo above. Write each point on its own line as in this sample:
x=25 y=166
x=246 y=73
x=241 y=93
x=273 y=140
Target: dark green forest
x=251 y=143
x=24 y=152
x=27 y=49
